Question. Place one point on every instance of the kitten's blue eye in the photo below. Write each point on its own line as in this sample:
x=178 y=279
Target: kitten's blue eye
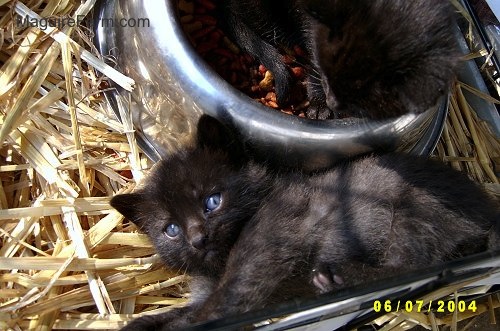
x=172 y=230
x=213 y=202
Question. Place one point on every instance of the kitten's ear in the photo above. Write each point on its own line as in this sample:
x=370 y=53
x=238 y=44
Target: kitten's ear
x=129 y=206
x=215 y=135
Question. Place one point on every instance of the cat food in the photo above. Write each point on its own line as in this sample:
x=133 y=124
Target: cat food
x=199 y=21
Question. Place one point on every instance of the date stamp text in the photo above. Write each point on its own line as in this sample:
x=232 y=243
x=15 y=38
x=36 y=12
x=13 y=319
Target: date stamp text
x=418 y=306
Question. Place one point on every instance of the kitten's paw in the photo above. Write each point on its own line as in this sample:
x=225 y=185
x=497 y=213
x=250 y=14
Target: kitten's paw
x=319 y=112
x=172 y=320
x=208 y=313
x=283 y=84
x=145 y=323
x=325 y=281
x=322 y=282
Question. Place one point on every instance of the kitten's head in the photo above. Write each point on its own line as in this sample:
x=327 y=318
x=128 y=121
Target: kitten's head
x=194 y=204
x=379 y=59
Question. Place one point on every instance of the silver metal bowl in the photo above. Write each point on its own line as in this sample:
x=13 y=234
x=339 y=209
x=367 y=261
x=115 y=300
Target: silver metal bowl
x=174 y=86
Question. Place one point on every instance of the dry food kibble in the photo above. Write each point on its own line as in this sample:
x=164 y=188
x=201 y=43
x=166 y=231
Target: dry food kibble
x=199 y=21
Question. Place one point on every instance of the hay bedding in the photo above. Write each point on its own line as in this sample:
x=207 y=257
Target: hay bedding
x=67 y=261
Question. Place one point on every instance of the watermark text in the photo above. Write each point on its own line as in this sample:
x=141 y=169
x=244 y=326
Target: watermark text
x=60 y=22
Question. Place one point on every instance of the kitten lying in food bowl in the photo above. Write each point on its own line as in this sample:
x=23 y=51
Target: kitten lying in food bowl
x=174 y=86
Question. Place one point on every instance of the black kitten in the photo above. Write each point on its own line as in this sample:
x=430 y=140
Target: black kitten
x=194 y=203
x=367 y=58
x=193 y=206
x=255 y=234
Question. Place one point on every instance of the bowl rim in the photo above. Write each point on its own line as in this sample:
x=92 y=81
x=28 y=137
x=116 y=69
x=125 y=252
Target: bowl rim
x=257 y=122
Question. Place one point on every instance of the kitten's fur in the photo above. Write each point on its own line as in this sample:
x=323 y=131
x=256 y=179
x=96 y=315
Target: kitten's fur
x=386 y=214
x=368 y=58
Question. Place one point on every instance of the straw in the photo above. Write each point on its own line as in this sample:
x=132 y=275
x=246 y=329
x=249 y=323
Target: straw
x=67 y=259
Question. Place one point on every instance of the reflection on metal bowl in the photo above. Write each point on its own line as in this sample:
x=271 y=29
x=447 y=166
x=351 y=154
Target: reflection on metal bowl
x=174 y=86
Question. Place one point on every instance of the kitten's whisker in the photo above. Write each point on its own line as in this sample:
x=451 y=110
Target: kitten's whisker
x=311 y=69
x=314 y=76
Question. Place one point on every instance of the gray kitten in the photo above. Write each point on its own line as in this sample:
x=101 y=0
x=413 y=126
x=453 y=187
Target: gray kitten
x=252 y=236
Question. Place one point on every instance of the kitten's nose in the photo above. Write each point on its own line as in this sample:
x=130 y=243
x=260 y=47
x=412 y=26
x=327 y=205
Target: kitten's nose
x=198 y=241
x=196 y=234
